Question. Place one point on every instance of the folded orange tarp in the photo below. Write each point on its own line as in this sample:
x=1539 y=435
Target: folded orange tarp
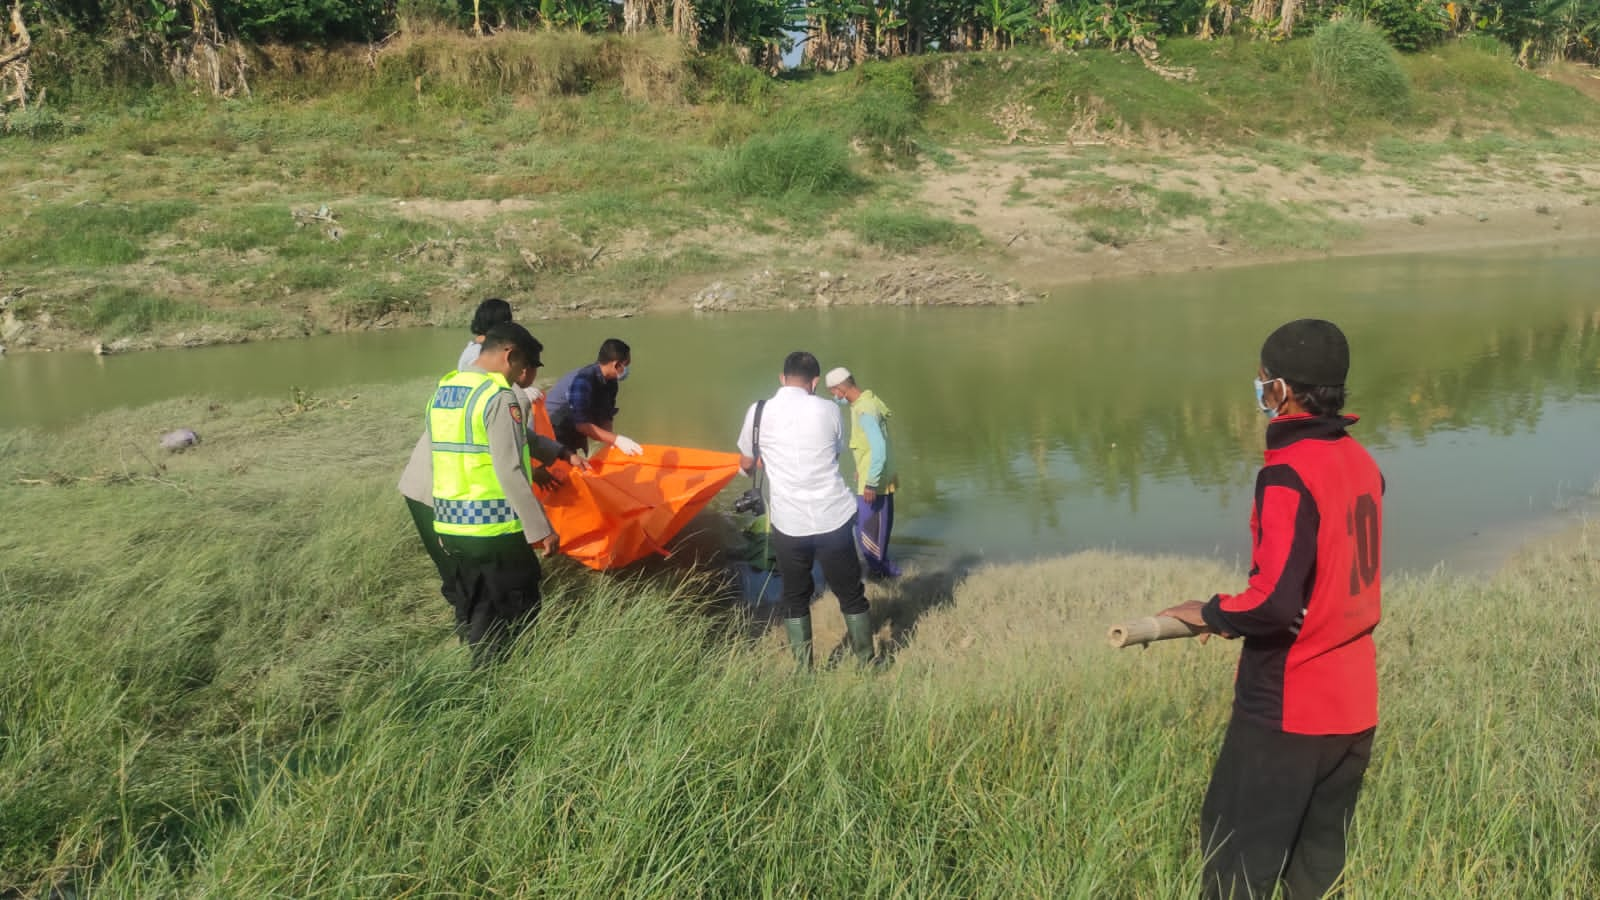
x=628 y=507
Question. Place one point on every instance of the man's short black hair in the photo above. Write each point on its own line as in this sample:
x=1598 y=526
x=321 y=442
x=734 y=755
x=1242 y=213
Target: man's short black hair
x=801 y=364
x=510 y=334
x=613 y=350
x=490 y=313
x=1318 y=399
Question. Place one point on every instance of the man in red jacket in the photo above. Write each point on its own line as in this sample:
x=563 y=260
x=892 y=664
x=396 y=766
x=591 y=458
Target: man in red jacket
x=1305 y=707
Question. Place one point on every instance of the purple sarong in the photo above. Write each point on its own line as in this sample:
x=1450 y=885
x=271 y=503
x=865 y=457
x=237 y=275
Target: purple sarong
x=874 y=523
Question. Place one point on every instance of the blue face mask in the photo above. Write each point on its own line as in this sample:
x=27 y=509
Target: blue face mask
x=1261 y=397
x=841 y=401
x=624 y=375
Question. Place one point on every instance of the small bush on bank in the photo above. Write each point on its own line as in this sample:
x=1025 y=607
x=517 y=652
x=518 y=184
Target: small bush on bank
x=38 y=122
x=1355 y=67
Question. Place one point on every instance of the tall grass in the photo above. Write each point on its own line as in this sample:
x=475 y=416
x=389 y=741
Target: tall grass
x=232 y=676
x=1358 y=69
x=790 y=164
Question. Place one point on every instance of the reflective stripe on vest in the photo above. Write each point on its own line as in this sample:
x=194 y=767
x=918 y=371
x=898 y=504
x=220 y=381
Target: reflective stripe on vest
x=467 y=498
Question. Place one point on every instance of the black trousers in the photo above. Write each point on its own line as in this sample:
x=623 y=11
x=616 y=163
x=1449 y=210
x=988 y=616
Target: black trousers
x=422 y=517
x=1278 y=809
x=498 y=597
x=836 y=551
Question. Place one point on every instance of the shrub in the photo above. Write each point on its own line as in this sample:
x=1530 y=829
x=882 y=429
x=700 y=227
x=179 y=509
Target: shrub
x=717 y=76
x=796 y=162
x=1356 y=68
x=1410 y=25
x=38 y=122
x=885 y=114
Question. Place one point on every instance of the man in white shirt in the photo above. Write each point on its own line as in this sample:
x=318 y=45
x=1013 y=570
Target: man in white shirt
x=811 y=510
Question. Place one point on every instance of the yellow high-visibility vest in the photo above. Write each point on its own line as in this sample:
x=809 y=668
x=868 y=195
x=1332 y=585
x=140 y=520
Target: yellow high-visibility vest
x=467 y=498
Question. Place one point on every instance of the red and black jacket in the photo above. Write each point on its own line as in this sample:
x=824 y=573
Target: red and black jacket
x=1308 y=664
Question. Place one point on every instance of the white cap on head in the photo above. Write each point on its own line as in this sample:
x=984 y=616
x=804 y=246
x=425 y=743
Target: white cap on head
x=836 y=377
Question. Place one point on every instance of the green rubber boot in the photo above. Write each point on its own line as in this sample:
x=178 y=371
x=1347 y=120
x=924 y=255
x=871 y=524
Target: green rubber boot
x=859 y=627
x=799 y=631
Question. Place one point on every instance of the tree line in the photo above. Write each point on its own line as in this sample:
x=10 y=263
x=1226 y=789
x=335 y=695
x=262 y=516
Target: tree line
x=830 y=34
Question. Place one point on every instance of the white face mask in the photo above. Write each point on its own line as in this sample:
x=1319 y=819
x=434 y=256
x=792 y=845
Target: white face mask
x=1261 y=397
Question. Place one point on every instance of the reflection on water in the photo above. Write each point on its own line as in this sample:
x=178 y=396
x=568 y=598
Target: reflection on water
x=1115 y=415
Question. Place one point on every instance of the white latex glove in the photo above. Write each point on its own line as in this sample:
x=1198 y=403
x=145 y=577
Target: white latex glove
x=628 y=445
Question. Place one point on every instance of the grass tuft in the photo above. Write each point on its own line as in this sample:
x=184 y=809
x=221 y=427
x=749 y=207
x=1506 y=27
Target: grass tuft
x=1286 y=226
x=906 y=231
x=789 y=164
x=1357 y=70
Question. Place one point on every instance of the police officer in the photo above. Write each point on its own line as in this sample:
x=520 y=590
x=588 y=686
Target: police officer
x=485 y=513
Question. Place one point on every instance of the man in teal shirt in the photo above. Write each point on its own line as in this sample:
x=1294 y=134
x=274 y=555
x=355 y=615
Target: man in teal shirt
x=875 y=474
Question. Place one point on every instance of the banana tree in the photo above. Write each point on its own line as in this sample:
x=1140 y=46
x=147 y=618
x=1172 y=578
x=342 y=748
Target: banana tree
x=1066 y=26
x=829 y=33
x=1571 y=27
x=886 y=21
x=1003 y=20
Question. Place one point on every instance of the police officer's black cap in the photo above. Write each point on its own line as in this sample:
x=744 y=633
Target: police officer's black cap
x=1308 y=352
x=526 y=345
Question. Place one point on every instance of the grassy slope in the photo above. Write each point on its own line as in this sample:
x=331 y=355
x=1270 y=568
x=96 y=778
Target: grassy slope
x=590 y=174
x=233 y=677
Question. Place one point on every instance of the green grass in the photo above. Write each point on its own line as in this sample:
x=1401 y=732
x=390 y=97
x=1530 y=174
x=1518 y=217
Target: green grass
x=1339 y=164
x=120 y=312
x=1285 y=226
x=91 y=233
x=1116 y=214
x=234 y=676
x=906 y=231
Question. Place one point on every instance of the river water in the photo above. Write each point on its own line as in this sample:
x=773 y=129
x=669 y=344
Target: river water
x=1113 y=415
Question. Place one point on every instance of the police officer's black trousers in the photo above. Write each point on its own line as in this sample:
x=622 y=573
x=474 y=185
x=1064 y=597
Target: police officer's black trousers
x=1278 y=809
x=422 y=517
x=836 y=551
x=498 y=591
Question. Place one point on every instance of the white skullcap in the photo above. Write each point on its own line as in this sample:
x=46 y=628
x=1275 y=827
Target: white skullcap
x=836 y=377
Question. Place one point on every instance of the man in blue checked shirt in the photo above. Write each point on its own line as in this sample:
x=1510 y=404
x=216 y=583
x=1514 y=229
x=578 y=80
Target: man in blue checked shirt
x=583 y=403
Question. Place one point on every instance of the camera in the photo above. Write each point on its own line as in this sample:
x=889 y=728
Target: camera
x=750 y=502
